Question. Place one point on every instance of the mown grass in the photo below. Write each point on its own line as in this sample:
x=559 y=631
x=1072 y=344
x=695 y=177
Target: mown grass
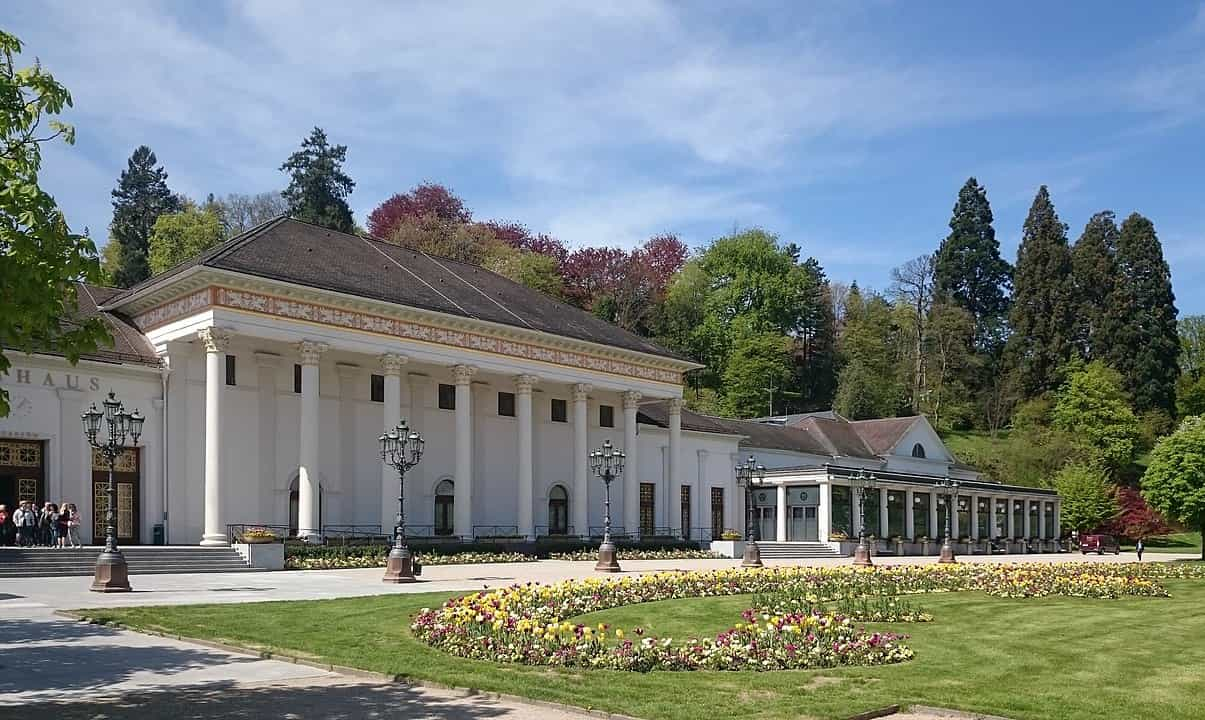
x=1037 y=659
x=1182 y=542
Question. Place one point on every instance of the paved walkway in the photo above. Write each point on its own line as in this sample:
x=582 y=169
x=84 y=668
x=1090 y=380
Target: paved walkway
x=77 y=670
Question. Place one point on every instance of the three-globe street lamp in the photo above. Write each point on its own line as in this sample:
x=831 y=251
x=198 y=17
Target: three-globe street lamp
x=951 y=487
x=401 y=447
x=865 y=483
x=111 y=574
x=607 y=463
x=748 y=475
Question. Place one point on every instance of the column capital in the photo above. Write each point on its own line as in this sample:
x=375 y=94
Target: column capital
x=675 y=406
x=392 y=363
x=463 y=374
x=311 y=350
x=267 y=360
x=524 y=383
x=581 y=390
x=214 y=339
x=631 y=398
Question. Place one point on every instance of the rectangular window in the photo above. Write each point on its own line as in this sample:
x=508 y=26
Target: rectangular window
x=506 y=404
x=964 y=518
x=686 y=511
x=895 y=513
x=982 y=518
x=842 y=515
x=296 y=378
x=230 y=379
x=870 y=510
x=717 y=513
x=920 y=516
x=447 y=397
x=1001 y=529
x=376 y=388
x=648 y=520
x=606 y=416
x=560 y=413
x=1049 y=515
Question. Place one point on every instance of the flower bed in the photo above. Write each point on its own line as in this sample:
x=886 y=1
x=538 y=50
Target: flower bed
x=527 y=623
x=639 y=554
x=371 y=557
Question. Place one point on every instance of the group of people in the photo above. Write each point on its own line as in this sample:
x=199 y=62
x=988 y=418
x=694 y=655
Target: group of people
x=52 y=526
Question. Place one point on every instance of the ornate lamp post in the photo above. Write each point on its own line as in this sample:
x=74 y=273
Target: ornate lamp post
x=947 y=549
x=112 y=573
x=748 y=475
x=865 y=483
x=607 y=463
x=401 y=447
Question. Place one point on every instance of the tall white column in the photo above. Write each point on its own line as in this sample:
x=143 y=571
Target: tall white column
x=309 y=521
x=463 y=513
x=909 y=519
x=884 y=518
x=991 y=517
x=780 y=514
x=701 y=501
x=631 y=475
x=391 y=413
x=1042 y=519
x=215 y=342
x=418 y=486
x=580 y=500
x=523 y=384
x=824 y=512
x=974 y=529
x=674 y=491
x=936 y=529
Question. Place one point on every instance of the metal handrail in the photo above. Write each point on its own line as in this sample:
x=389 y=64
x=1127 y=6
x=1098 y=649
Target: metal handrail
x=596 y=531
x=496 y=531
x=352 y=530
x=545 y=531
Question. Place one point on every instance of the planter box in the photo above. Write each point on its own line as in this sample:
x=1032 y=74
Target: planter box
x=728 y=548
x=263 y=556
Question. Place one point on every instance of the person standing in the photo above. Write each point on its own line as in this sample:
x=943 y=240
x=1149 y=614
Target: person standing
x=61 y=525
x=73 y=537
x=1139 y=547
x=45 y=523
x=7 y=529
x=26 y=521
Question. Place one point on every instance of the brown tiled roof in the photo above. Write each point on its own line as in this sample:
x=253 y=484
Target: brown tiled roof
x=882 y=435
x=293 y=251
x=129 y=345
x=837 y=434
x=658 y=414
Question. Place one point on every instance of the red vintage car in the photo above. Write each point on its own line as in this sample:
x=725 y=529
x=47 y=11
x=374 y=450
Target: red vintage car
x=1099 y=544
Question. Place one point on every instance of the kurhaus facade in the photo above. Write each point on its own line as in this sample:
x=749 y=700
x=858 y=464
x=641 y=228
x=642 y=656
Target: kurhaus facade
x=268 y=367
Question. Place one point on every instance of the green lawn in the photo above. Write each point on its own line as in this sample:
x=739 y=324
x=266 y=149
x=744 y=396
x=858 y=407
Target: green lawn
x=1184 y=542
x=1060 y=659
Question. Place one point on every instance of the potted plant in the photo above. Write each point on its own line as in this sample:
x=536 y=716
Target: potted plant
x=730 y=535
x=259 y=536
x=837 y=536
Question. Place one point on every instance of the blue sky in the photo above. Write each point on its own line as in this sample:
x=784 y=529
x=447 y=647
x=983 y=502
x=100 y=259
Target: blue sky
x=844 y=127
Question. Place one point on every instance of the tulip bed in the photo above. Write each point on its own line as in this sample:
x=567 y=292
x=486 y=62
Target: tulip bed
x=791 y=625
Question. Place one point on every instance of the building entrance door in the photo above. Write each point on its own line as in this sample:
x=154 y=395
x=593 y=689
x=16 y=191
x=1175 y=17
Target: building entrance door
x=766 y=523
x=802 y=525
x=126 y=478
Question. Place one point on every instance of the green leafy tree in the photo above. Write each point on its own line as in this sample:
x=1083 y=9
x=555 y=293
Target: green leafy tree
x=39 y=255
x=534 y=270
x=1042 y=311
x=1174 y=482
x=1190 y=396
x=759 y=361
x=868 y=385
x=1092 y=408
x=177 y=237
x=1088 y=499
x=1142 y=314
x=318 y=186
x=1094 y=272
x=968 y=270
x=948 y=360
x=140 y=197
x=1192 y=346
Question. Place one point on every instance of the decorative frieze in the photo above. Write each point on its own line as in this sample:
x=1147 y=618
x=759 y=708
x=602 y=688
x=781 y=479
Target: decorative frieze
x=312 y=312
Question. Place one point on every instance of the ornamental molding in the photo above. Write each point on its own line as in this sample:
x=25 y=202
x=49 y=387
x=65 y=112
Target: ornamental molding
x=524 y=383
x=390 y=320
x=463 y=374
x=214 y=339
x=631 y=399
x=581 y=391
x=675 y=406
x=311 y=351
x=392 y=363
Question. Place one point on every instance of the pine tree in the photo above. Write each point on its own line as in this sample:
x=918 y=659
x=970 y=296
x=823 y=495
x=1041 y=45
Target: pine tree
x=318 y=187
x=140 y=197
x=1041 y=316
x=1094 y=273
x=969 y=271
x=1143 y=309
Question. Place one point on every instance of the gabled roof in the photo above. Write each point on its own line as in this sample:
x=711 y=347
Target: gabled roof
x=129 y=344
x=298 y=252
x=884 y=434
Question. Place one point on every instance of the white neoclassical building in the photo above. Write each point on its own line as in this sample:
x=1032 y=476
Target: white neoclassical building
x=269 y=366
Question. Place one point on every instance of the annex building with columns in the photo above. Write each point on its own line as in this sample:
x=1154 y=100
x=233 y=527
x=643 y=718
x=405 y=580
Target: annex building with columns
x=269 y=366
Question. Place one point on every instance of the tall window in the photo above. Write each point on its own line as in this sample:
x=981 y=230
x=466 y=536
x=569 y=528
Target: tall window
x=1018 y=518
x=1033 y=518
x=717 y=513
x=606 y=416
x=506 y=404
x=447 y=397
x=560 y=413
x=920 y=515
x=558 y=511
x=296 y=378
x=1049 y=515
x=230 y=379
x=685 y=496
x=895 y=513
x=376 y=388
x=981 y=505
x=872 y=515
x=1001 y=529
x=842 y=516
x=648 y=521
x=918 y=451
x=445 y=507
x=964 y=518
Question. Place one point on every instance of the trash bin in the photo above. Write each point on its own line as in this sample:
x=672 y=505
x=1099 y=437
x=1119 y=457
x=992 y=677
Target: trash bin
x=157 y=535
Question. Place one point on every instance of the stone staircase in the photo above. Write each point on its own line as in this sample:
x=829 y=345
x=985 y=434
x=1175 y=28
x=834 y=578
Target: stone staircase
x=795 y=550
x=155 y=559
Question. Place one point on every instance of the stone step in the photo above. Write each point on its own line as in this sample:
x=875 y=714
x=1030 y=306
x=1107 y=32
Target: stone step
x=50 y=562
x=790 y=550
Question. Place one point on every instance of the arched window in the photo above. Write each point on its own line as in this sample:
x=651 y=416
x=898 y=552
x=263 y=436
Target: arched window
x=918 y=451
x=558 y=511
x=445 y=506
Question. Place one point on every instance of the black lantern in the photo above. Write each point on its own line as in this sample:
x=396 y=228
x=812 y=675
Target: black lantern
x=607 y=464
x=402 y=448
x=947 y=548
x=112 y=572
x=749 y=475
x=865 y=483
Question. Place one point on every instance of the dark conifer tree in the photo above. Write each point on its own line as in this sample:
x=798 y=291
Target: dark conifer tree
x=1146 y=346
x=140 y=197
x=1042 y=303
x=318 y=187
x=969 y=271
x=1094 y=273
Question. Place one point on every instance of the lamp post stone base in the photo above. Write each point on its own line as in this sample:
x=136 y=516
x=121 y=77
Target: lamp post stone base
x=752 y=558
x=947 y=554
x=112 y=574
x=399 y=568
x=862 y=556
x=607 y=561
